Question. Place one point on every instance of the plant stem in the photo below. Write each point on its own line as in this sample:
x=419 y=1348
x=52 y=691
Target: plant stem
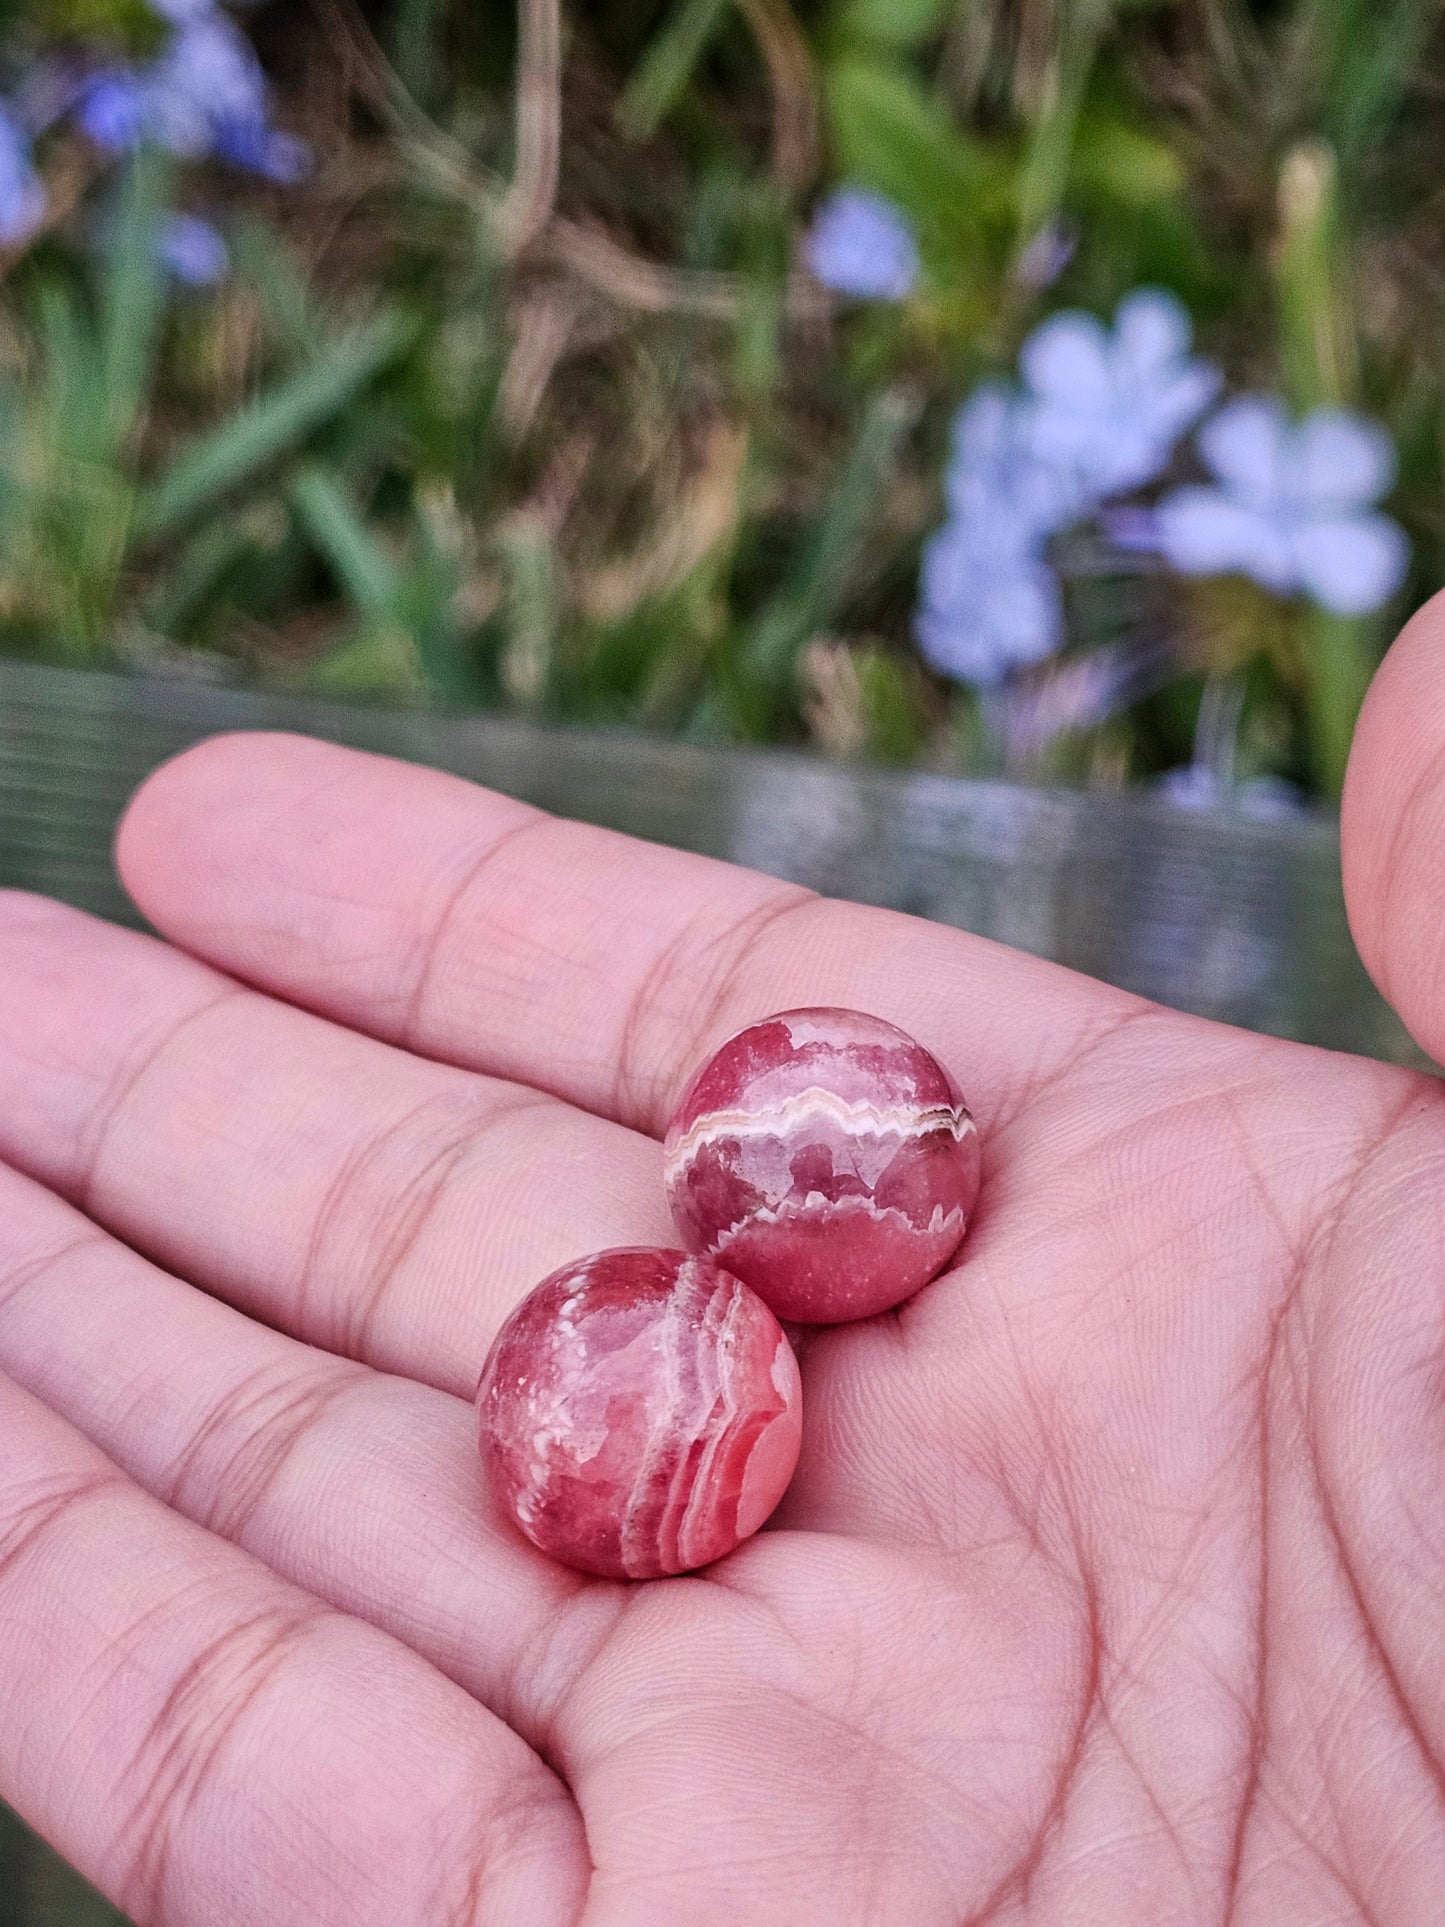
x=1341 y=656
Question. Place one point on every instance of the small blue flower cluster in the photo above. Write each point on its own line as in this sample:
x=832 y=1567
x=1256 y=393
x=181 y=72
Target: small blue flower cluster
x=203 y=97
x=1097 y=417
x=1098 y=414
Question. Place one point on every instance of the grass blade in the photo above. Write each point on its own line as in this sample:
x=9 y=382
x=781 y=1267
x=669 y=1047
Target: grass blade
x=813 y=597
x=667 y=66
x=267 y=265
x=356 y=559
x=133 y=294
x=271 y=426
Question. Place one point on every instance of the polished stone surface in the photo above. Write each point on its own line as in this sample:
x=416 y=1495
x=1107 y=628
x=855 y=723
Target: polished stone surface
x=827 y=1160
x=641 y=1413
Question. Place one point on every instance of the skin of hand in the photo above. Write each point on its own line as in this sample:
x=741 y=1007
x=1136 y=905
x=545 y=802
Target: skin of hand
x=1111 y=1588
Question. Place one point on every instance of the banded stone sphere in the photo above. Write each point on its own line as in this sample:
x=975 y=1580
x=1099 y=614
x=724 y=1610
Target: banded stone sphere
x=641 y=1413
x=827 y=1160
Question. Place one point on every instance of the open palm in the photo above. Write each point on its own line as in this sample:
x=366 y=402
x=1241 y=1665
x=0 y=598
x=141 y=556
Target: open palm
x=1110 y=1586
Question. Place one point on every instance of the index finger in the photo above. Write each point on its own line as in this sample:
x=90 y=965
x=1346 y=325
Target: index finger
x=473 y=928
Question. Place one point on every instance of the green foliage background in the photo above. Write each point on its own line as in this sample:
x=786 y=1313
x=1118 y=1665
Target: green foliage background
x=522 y=398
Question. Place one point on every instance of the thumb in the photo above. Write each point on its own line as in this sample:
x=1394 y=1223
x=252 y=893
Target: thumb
x=1392 y=828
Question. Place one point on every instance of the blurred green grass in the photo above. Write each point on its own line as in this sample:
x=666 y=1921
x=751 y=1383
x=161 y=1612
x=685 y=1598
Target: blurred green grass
x=522 y=400
x=37 y=1888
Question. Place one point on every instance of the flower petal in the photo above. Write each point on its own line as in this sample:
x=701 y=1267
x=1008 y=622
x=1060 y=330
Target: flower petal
x=1026 y=614
x=1244 y=445
x=1066 y=360
x=1109 y=408
x=983 y=431
x=1341 y=460
x=984 y=611
x=1351 y=564
x=112 y=110
x=1177 y=402
x=1203 y=531
x=997 y=472
x=1151 y=328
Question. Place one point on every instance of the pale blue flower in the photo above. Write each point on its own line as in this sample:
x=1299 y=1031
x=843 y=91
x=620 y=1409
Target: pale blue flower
x=994 y=468
x=207 y=78
x=988 y=600
x=1100 y=414
x=192 y=249
x=22 y=197
x=1109 y=407
x=1293 y=508
x=860 y=244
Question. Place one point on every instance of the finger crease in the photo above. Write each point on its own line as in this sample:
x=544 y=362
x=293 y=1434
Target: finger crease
x=50 y=1506
x=639 y=1094
x=189 y=1737
x=410 y=1027
x=122 y=1087
x=273 y=1419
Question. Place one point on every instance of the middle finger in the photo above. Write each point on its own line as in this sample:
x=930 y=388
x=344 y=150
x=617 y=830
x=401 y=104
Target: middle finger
x=386 y=1207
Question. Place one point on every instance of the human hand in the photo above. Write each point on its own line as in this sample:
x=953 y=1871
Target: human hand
x=1109 y=1589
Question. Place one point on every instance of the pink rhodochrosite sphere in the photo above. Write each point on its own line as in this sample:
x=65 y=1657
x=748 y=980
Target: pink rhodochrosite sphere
x=641 y=1413
x=826 y=1159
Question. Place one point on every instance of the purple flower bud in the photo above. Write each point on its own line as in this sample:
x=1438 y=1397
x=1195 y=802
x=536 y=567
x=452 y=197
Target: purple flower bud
x=260 y=149
x=1046 y=256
